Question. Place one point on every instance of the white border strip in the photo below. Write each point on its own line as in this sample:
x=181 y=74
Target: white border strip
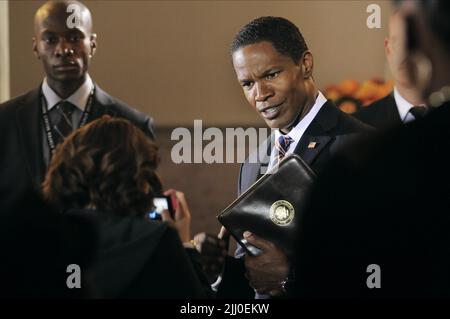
x=4 y=52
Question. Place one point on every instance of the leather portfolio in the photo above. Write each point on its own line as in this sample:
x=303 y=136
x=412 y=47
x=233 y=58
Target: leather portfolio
x=271 y=207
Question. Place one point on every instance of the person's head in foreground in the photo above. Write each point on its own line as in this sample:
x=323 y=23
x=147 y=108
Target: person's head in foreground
x=108 y=165
x=427 y=47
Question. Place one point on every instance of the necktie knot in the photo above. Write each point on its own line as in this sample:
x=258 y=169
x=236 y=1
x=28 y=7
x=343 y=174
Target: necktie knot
x=418 y=111
x=282 y=145
x=66 y=108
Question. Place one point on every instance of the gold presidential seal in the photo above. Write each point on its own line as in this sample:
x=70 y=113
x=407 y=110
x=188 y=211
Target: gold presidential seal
x=282 y=213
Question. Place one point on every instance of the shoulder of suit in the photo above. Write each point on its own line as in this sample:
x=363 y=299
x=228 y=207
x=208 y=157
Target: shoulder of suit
x=375 y=107
x=8 y=108
x=345 y=123
x=18 y=100
x=120 y=107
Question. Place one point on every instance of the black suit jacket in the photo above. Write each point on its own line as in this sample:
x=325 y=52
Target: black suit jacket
x=22 y=166
x=390 y=207
x=332 y=130
x=381 y=114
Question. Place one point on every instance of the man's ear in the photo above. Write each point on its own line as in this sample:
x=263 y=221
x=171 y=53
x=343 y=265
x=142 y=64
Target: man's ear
x=93 y=44
x=307 y=64
x=35 y=49
x=387 y=47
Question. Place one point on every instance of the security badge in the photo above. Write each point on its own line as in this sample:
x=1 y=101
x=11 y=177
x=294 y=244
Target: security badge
x=282 y=213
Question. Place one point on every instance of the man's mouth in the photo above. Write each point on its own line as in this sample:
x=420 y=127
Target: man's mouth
x=67 y=65
x=271 y=112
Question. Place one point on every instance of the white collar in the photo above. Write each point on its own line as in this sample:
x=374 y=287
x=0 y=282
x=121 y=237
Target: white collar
x=79 y=98
x=297 y=131
x=403 y=106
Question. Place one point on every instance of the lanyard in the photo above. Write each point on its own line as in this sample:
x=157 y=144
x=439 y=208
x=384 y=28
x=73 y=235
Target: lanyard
x=48 y=125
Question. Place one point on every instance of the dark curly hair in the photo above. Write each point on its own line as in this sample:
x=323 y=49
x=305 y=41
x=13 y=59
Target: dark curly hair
x=285 y=37
x=108 y=164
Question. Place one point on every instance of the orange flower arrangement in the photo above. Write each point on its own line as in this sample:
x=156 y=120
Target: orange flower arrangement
x=350 y=95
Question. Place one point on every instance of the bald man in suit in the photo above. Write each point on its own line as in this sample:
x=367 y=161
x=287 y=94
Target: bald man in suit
x=398 y=107
x=34 y=123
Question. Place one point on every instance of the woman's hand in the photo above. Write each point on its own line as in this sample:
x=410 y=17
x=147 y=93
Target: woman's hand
x=182 y=218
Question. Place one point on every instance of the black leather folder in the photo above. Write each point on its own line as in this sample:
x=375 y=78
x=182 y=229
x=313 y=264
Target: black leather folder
x=271 y=207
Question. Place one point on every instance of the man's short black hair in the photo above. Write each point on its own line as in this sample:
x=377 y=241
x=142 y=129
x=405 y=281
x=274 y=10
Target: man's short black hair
x=282 y=33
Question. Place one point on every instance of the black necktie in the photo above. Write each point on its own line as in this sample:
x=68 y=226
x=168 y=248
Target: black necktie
x=418 y=111
x=63 y=121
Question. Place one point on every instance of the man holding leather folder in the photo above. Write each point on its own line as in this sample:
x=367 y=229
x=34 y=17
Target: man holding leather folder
x=275 y=69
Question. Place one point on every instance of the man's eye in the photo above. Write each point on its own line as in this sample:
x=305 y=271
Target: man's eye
x=247 y=85
x=51 y=40
x=74 y=38
x=272 y=75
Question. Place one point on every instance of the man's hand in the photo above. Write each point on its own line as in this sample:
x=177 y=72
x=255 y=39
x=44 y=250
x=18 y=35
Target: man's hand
x=267 y=271
x=212 y=251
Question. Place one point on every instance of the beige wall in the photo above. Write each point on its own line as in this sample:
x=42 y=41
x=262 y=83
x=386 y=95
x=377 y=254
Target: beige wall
x=170 y=59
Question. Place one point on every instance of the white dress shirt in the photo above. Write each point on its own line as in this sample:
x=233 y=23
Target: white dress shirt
x=79 y=98
x=403 y=107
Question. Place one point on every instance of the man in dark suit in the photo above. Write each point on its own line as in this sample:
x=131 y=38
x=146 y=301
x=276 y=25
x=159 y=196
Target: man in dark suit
x=379 y=227
x=34 y=123
x=397 y=107
x=275 y=69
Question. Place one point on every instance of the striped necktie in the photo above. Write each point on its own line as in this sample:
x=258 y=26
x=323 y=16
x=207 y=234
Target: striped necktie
x=63 y=123
x=282 y=146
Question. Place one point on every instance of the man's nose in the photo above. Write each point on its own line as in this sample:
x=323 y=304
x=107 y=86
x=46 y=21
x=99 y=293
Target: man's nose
x=63 y=48
x=263 y=92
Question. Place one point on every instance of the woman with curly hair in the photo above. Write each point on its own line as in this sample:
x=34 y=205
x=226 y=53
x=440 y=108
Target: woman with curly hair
x=106 y=170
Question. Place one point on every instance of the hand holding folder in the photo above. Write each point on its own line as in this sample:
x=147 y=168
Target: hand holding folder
x=271 y=207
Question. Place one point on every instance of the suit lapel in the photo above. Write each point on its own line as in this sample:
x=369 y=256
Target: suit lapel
x=316 y=136
x=392 y=111
x=251 y=172
x=101 y=105
x=310 y=147
x=29 y=124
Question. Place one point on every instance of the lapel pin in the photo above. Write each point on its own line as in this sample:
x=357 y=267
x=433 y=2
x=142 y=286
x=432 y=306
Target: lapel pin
x=312 y=144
